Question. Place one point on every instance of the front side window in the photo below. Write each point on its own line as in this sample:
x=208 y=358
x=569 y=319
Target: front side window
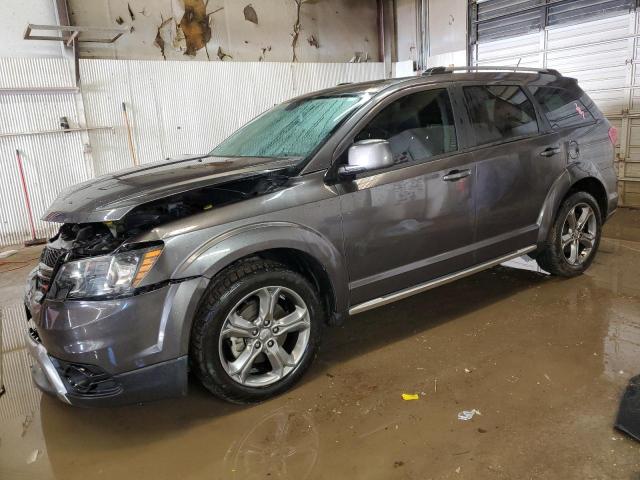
x=418 y=126
x=562 y=107
x=292 y=129
x=500 y=112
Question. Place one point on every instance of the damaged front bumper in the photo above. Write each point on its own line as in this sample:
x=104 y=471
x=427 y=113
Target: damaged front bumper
x=44 y=374
x=112 y=352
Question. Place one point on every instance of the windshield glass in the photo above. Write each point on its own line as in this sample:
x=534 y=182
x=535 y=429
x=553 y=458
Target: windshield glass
x=292 y=129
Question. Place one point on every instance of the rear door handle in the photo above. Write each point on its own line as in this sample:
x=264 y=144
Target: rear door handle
x=455 y=175
x=550 y=152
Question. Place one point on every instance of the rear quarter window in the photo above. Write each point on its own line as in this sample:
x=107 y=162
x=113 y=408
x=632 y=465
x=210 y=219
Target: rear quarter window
x=563 y=108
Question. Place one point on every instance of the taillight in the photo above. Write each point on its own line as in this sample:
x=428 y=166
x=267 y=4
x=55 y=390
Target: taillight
x=613 y=135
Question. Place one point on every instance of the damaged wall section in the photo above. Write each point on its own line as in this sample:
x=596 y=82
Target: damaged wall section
x=252 y=30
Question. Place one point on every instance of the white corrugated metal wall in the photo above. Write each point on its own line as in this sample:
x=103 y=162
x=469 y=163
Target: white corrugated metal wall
x=54 y=159
x=603 y=55
x=174 y=108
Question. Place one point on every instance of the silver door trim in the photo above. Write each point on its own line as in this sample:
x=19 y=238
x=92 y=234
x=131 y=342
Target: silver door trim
x=423 y=287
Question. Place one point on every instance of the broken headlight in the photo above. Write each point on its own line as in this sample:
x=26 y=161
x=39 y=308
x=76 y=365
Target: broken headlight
x=104 y=276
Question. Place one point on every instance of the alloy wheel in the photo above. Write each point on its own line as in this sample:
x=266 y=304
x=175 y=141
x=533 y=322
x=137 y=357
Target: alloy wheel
x=579 y=233
x=265 y=336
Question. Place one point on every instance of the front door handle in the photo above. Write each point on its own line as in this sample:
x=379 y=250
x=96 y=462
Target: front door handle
x=455 y=175
x=550 y=152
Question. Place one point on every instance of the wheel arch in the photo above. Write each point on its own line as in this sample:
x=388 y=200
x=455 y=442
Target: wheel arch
x=595 y=188
x=309 y=267
x=302 y=249
x=564 y=186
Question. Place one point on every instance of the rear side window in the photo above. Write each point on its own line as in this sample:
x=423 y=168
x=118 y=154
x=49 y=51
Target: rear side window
x=562 y=108
x=500 y=112
x=418 y=126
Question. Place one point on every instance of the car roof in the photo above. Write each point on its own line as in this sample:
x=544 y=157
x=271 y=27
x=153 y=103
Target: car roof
x=376 y=86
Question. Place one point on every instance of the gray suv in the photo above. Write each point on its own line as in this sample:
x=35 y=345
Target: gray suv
x=228 y=265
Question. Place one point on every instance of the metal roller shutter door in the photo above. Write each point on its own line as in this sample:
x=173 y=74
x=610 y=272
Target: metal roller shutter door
x=596 y=42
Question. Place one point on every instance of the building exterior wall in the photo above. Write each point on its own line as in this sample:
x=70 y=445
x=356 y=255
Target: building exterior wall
x=447 y=33
x=329 y=30
x=14 y=19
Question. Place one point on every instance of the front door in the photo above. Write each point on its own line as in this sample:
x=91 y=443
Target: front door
x=414 y=221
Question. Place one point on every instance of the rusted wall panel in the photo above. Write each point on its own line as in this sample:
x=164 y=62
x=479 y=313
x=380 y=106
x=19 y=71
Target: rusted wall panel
x=330 y=30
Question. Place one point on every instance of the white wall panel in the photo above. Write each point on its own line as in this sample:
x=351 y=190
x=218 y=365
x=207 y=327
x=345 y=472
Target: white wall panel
x=174 y=108
x=50 y=161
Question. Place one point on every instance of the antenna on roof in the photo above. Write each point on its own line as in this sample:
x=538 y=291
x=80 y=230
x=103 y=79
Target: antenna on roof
x=517 y=64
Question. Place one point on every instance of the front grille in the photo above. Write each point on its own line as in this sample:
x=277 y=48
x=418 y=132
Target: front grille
x=50 y=256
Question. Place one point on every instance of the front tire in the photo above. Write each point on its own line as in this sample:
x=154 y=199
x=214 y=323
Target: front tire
x=256 y=332
x=574 y=237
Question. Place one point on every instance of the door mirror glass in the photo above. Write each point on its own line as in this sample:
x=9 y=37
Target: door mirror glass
x=370 y=155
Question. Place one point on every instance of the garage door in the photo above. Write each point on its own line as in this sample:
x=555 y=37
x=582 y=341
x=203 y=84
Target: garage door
x=595 y=41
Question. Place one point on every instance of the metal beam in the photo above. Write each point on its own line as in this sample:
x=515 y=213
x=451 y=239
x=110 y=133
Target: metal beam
x=70 y=49
x=60 y=130
x=388 y=35
x=113 y=32
x=40 y=91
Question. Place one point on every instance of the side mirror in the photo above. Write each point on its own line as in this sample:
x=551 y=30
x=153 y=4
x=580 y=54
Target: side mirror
x=367 y=155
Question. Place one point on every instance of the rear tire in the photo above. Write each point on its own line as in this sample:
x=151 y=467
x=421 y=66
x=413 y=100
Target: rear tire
x=573 y=238
x=256 y=332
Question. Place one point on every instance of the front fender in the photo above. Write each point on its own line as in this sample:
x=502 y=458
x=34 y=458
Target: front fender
x=221 y=251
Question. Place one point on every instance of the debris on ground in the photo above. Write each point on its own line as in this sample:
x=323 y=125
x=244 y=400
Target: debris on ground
x=628 y=420
x=7 y=253
x=410 y=396
x=468 y=414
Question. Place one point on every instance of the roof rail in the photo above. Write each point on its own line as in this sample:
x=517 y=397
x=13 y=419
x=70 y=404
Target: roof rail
x=475 y=68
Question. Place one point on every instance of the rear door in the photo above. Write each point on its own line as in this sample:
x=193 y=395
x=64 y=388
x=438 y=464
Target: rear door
x=413 y=221
x=517 y=161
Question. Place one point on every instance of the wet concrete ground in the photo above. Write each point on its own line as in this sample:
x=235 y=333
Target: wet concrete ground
x=543 y=360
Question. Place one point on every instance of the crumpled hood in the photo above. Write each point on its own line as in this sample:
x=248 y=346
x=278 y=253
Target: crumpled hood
x=111 y=197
